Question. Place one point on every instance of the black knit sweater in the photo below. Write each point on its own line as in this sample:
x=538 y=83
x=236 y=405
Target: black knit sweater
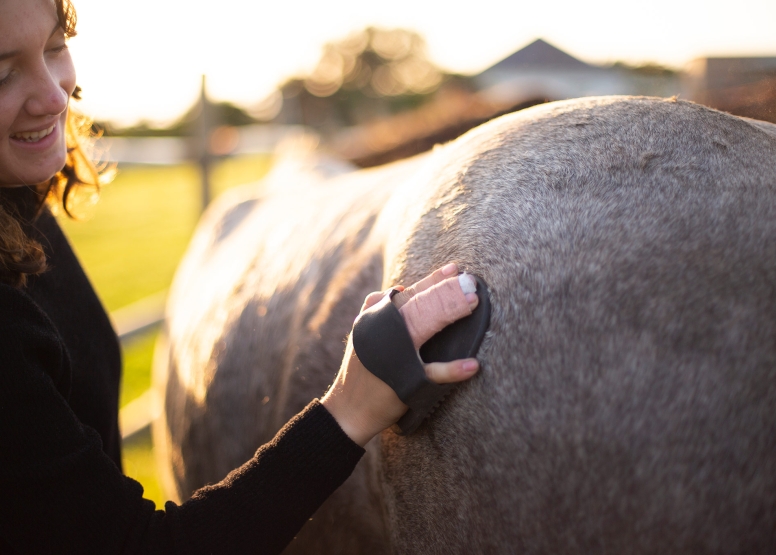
x=66 y=296
x=61 y=492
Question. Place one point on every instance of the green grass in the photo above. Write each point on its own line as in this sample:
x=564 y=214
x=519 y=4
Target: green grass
x=130 y=243
x=137 y=455
x=139 y=464
x=137 y=358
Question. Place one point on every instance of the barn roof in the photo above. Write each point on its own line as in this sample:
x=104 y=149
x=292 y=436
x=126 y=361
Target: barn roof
x=538 y=55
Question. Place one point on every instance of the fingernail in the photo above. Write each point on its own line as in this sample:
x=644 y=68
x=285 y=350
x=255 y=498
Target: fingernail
x=471 y=298
x=450 y=269
x=470 y=366
x=467 y=282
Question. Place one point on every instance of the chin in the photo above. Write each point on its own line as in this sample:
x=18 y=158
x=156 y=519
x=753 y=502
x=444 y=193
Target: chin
x=47 y=169
x=40 y=175
x=43 y=176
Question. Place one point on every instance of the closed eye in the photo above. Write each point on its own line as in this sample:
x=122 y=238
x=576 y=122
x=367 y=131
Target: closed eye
x=6 y=79
x=58 y=49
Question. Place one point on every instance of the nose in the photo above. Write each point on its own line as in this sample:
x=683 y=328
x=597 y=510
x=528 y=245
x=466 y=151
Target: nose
x=48 y=95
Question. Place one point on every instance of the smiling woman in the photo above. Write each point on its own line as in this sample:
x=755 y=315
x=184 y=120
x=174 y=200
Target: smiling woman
x=40 y=138
x=61 y=486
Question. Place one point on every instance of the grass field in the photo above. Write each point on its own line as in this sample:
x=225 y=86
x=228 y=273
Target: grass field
x=130 y=243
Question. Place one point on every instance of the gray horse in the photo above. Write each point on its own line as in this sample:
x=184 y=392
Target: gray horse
x=627 y=397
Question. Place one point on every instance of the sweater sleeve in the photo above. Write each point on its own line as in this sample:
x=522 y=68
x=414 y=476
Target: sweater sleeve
x=59 y=493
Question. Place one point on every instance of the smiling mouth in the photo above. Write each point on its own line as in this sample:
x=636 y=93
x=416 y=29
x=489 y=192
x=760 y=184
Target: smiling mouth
x=33 y=136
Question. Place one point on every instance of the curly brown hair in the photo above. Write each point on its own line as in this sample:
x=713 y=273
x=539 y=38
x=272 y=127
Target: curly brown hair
x=20 y=255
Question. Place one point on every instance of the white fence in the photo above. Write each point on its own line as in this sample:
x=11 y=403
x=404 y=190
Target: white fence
x=130 y=322
x=248 y=139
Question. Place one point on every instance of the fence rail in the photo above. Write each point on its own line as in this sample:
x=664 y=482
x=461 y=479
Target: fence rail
x=235 y=141
x=130 y=322
x=139 y=317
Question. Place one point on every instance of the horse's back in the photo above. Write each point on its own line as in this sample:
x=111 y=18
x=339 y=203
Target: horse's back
x=628 y=381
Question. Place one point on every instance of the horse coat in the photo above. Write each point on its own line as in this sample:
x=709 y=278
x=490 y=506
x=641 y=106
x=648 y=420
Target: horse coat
x=627 y=395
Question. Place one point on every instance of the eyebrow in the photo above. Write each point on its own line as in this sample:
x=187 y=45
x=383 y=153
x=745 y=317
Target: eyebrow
x=6 y=55
x=12 y=53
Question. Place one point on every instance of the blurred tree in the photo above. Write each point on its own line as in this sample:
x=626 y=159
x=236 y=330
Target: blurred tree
x=372 y=73
x=223 y=113
x=376 y=62
x=649 y=69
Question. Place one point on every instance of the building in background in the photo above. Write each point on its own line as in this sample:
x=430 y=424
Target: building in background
x=542 y=71
x=741 y=86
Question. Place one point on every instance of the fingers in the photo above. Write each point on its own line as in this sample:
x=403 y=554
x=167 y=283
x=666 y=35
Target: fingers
x=374 y=297
x=433 y=303
x=429 y=281
x=452 y=372
x=429 y=311
x=371 y=300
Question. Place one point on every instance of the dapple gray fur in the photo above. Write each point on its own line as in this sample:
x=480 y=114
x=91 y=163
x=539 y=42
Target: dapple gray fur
x=627 y=397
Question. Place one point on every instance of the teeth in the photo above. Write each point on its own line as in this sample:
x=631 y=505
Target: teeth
x=34 y=136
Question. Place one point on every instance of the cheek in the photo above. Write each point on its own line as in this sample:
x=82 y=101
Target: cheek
x=10 y=107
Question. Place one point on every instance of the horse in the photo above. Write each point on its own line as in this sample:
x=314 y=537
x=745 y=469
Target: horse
x=627 y=390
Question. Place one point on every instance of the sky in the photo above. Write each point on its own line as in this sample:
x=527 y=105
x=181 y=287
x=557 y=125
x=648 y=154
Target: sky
x=143 y=59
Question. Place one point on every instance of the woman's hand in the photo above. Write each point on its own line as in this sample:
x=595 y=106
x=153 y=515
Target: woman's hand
x=364 y=405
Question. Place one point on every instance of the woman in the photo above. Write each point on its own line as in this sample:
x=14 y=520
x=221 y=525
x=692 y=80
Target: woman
x=61 y=488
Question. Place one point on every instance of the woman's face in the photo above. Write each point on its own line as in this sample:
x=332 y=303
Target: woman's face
x=37 y=78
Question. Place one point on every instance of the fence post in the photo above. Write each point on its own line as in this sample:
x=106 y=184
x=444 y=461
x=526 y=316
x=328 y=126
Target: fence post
x=205 y=159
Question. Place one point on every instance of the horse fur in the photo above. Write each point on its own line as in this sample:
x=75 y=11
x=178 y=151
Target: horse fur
x=627 y=390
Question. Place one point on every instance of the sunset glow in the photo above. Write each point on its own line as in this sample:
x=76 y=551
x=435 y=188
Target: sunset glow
x=143 y=59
